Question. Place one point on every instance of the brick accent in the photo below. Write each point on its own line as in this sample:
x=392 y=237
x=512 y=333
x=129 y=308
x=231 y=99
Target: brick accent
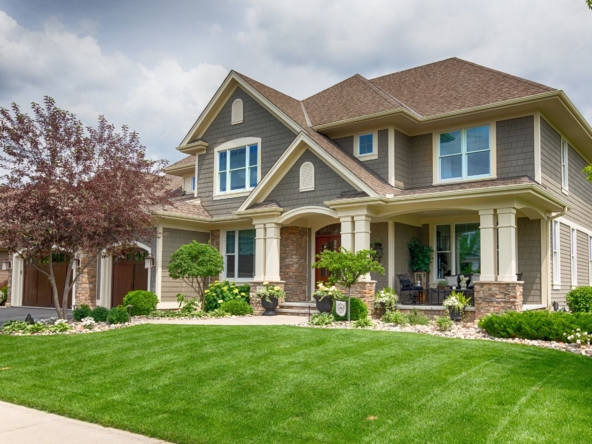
x=215 y=238
x=497 y=297
x=86 y=284
x=293 y=262
x=254 y=300
x=366 y=291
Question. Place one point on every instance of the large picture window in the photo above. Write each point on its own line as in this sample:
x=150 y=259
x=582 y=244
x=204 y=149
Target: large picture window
x=240 y=254
x=464 y=154
x=461 y=256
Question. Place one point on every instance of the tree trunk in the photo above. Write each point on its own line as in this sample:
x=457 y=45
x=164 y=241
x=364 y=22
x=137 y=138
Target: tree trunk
x=54 y=289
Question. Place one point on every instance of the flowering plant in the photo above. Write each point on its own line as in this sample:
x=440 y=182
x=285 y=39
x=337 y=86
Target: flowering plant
x=386 y=298
x=578 y=338
x=88 y=323
x=220 y=292
x=323 y=291
x=456 y=301
x=271 y=291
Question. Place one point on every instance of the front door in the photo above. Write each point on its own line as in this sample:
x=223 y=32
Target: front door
x=327 y=238
x=128 y=274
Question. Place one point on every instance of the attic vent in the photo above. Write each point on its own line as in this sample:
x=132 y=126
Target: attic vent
x=307 y=177
x=237 y=112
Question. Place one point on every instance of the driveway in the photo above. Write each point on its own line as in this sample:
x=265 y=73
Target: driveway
x=20 y=313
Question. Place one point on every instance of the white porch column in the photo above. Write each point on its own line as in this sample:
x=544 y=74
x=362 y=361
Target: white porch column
x=507 y=244
x=347 y=233
x=488 y=245
x=272 y=252
x=362 y=232
x=260 y=252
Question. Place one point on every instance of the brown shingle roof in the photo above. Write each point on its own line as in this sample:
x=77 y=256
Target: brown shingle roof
x=188 y=206
x=187 y=161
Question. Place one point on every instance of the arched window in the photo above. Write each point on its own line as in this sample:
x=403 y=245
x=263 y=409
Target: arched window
x=307 y=177
x=237 y=112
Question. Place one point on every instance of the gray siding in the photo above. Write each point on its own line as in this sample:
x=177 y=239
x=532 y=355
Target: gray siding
x=529 y=258
x=380 y=165
x=582 y=259
x=258 y=122
x=402 y=144
x=379 y=233
x=328 y=185
x=172 y=240
x=403 y=233
x=421 y=161
x=564 y=263
x=580 y=190
x=515 y=147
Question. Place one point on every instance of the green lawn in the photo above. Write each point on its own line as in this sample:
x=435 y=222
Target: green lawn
x=208 y=384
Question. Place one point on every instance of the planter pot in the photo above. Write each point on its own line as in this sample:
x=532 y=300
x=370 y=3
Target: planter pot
x=324 y=305
x=456 y=314
x=441 y=287
x=269 y=306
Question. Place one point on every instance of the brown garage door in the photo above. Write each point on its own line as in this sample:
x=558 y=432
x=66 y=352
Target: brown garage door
x=37 y=289
x=128 y=274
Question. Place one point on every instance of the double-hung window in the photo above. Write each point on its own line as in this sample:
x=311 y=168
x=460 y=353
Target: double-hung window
x=464 y=154
x=556 y=265
x=240 y=254
x=237 y=169
x=564 y=165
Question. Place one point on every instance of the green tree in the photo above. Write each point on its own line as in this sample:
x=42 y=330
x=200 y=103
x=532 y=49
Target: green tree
x=194 y=263
x=589 y=3
x=420 y=255
x=346 y=268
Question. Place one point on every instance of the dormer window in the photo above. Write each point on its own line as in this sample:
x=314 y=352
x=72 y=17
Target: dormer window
x=237 y=167
x=366 y=146
x=237 y=112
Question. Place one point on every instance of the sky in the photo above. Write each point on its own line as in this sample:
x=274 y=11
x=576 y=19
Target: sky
x=154 y=65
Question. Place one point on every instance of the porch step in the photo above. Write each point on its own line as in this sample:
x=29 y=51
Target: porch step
x=298 y=304
x=297 y=308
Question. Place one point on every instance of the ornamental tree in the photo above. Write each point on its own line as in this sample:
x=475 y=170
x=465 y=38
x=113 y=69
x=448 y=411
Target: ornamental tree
x=346 y=268
x=66 y=188
x=194 y=263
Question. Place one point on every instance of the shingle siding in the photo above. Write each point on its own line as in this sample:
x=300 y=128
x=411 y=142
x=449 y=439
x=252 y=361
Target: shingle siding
x=420 y=161
x=564 y=264
x=380 y=165
x=582 y=259
x=172 y=240
x=529 y=258
x=515 y=147
x=402 y=144
x=379 y=233
x=257 y=122
x=328 y=185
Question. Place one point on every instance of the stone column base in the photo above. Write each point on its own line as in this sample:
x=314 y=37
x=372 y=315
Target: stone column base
x=254 y=300
x=364 y=290
x=497 y=297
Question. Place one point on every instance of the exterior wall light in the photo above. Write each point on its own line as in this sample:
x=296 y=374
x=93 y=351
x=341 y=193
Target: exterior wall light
x=149 y=262
x=6 y=265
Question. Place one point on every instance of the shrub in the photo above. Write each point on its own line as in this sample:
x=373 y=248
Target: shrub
x=395 y=317
x=99 y=314
x=187 y=305
x=217 y=313
x=88 y=323
x=540 y=325
x=417 y=318
x=579 y=300
x=237 y=308
x=3 y=295
x=118 y=315
x=321 y=319
x=142 y=302
x=363 y=323
x=444 y=323
x=175 y=314
x=386 y=298
x=220 y=292
x=84 y=311
x=359 y=310
x=579 y=338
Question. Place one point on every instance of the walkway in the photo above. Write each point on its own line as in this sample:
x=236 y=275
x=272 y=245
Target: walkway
x=243 y=320
x=27 y=426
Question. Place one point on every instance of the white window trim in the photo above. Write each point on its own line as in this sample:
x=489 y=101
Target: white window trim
x=370 y=156
x=564 y=166
x=235 y=120
x=492 y=155
x=556 y=253
x=237 y=143
x=574 y=257
x=310 y=187
x=223 y=253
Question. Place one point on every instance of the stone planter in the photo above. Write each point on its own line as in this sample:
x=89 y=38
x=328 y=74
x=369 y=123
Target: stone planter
x=325 y=304
x=269 y=306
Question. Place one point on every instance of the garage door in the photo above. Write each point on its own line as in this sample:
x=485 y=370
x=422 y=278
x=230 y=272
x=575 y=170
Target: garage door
x=128 y=274
x=37 y=289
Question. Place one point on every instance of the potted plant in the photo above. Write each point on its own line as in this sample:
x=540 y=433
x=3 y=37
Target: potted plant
x=324 y=295
x=455 y=303
x=442 y=285
x=420 y=255
x=270 y=297
x=386 y=299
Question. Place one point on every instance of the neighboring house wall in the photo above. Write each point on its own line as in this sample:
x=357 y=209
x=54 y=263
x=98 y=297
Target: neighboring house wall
x=328 y=185
x=379 y=233
x=172 y=240
x=380 y=165
x=402 y=144
x=257 y=122
x=515 y=147
x=529 y=258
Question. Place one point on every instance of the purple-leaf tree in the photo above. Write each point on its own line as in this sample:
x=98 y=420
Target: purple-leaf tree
x=68 y=189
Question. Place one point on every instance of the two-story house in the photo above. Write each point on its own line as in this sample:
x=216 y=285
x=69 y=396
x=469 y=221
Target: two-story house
x=483 y=166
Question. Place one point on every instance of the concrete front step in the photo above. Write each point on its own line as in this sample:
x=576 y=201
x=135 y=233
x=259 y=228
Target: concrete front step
x=297 y=308
x=298 y=304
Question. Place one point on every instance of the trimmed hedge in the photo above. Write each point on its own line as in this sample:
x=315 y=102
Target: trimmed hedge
x=118 y=315
x=359 y=310
x=142 y=302
x=84 y=311
x=99 y=314
x=237 y=308
x=579 y=300
x=540 y=325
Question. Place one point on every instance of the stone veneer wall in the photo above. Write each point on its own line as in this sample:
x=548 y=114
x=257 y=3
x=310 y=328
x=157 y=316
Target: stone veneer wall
x=86 y=285
x=366 y=291
x=255 y=301
x=497 y=297
x=294 y=262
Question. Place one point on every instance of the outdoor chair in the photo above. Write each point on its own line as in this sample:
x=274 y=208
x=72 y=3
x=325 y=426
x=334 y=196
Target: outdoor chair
x=407 y=286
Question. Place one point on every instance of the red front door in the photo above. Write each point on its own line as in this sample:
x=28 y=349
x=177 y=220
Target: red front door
x=327 y=238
